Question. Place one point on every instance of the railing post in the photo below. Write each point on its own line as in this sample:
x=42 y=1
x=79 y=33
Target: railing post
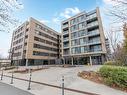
x=12 y=78
x=29 y=79
x=2 y=75
x=62 y=85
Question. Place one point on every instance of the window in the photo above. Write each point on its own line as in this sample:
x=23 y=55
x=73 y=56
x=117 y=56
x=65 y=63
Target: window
x=74 y=35
x=73 y=21
x=82 y=25
x=26 y=36
x=27 y=29
x=40 y=53
x=95 y=48
x=83 y=41
x=82 y=33
x=76 y=50
x=44 y=47
x=75 y=42
x=82 y=17
x=74 y=27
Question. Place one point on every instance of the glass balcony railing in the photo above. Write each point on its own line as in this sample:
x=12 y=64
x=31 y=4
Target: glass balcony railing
x=66 y=45
x=91 y=16
x=64 y=32
x=95 y=32
x=95 y=23
x=65 y=39
x=95 y=50
x=64 y=26
x=66 y=53
x=94 y=41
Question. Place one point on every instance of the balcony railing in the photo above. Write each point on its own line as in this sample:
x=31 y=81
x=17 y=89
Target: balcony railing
x=94 y=42
x=64 y=32
x=66 y=45
x=91 y=16
x=95 y=32
x=92 y=24
x=64 y=26
x=65 y=39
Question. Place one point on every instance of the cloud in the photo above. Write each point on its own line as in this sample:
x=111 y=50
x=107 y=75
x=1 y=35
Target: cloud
x=45 y=21
x=56 y=20
x=68 y=12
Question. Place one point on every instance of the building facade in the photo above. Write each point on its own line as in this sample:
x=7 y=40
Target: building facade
x=83 y=39
x=35 y=43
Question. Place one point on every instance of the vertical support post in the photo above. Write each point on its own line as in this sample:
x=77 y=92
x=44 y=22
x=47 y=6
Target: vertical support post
x=26 y=62
x=12 y=77
x=72 y=61
x=2 y=75
x=29 y=80
x=62 y=85
x=90 y=60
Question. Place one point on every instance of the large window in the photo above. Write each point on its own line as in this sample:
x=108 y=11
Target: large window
x=82 y=33
x=74 y=35
x=83 y=41
x=76 y=50
x=82 y=25
x=74 y=27
x=94 y=39
x=75 y=42
x=95 y=48
x=81 y=18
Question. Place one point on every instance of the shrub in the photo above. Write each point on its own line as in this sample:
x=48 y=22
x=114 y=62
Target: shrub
x=110 y=63
x=117 y=63
x=114 y=75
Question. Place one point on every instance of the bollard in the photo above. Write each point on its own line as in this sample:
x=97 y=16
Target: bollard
x=12 y=78
x=62 y=85
x=2 y=75
x=29 y=80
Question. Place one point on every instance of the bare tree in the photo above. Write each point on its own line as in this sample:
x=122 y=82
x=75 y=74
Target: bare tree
x=7 y=19
x=118 y=10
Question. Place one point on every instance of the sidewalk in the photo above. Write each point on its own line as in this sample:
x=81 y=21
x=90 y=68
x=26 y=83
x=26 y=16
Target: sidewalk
x=6 y=89
x=53 y=76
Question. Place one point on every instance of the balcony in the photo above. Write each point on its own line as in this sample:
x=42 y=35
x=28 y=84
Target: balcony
x=64 y=26
x=94 y=32
x=94 y=41
x=92 y=16
x=95 y=50
x=95 y=23
x=66 y=53
x=65 y=32
x=66 y=39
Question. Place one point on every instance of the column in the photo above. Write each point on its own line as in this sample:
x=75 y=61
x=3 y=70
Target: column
x=90 y=60
x=26 y=62
x=72 y=61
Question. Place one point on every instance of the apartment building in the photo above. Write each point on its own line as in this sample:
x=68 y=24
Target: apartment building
x=83 y=39
x=34 y=43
